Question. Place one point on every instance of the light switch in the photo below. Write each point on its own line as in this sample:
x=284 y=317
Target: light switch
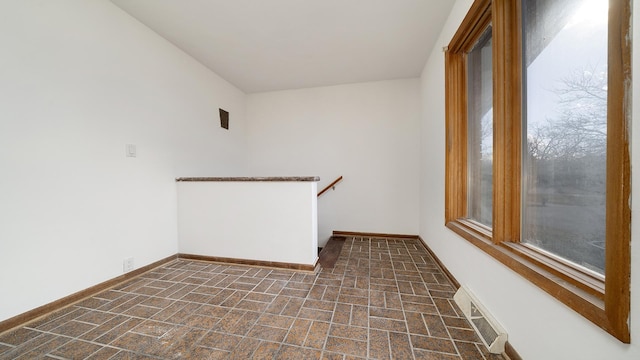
x=131 y=150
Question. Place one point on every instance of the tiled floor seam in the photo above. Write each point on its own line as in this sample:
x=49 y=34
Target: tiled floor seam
x=404 y=314
x=71 y=338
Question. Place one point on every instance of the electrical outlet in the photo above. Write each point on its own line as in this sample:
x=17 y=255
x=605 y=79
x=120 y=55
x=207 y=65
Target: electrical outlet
x=127 y=264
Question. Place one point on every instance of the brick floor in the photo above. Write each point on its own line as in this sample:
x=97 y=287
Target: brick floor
x=384 y=299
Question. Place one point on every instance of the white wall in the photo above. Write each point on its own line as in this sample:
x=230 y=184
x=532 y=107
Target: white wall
x=367 y=132
x=251 y=220
x=539 y=326
x=79 y=80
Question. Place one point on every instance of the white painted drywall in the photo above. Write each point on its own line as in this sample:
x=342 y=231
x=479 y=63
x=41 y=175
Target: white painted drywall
x=251 y=220
x=539 y=326
x=79 y=80
x=367 y=132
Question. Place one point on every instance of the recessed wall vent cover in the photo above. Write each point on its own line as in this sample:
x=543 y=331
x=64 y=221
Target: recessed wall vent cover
x=491 y=332
x=224 y=119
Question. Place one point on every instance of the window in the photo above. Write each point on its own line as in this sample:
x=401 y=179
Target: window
x=480 y=129
x=537 y=160
x=565 y=122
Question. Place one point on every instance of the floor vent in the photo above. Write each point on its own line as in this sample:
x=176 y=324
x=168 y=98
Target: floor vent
x=491 y=333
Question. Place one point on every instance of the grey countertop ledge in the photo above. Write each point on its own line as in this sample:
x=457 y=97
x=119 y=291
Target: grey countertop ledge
x=255 y=178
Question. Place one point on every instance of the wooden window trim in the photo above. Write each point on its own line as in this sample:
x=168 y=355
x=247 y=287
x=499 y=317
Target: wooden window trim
x=474 y=24
x=606 y=302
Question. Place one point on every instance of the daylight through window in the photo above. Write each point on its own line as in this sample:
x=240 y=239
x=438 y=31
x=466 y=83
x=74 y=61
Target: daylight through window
x=537 y=161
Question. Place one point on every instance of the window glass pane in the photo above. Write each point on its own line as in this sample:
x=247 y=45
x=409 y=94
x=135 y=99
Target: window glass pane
x=565 y=61
x=480 y=130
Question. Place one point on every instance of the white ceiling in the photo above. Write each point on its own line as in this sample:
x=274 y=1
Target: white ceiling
x=265 y=45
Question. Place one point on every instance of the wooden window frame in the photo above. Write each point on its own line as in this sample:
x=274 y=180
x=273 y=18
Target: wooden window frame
x=605 y=301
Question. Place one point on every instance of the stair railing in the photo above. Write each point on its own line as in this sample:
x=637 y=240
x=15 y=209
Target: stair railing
x=330 y=186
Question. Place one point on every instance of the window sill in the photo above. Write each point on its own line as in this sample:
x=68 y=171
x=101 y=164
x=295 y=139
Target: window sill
x=585 y=298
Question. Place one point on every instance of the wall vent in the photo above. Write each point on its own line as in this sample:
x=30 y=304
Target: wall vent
x=492 y=334
x=224 y=119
